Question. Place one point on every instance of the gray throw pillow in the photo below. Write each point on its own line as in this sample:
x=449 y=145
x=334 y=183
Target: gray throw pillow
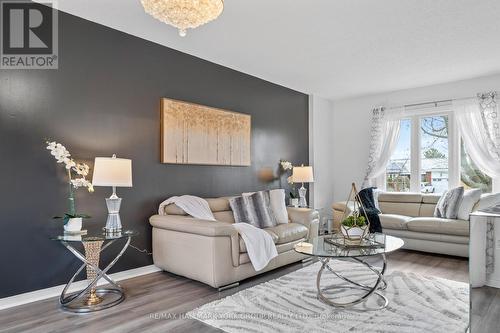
x=240 y=211
x=449 y=203
x=254 y=209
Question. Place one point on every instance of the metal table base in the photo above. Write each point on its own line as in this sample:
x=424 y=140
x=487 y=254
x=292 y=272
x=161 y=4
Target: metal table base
x=380 y=284
x=93 y=298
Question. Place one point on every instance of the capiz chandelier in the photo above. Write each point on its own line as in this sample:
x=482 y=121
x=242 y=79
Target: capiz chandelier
x=184 y=14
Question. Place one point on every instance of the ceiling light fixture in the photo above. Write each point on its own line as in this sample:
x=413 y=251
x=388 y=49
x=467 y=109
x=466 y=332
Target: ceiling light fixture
x=184 y=14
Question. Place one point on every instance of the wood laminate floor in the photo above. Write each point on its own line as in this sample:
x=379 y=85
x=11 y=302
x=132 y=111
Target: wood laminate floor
x=156 y=302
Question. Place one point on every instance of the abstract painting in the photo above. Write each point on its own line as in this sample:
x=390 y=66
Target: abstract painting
x=197 y=134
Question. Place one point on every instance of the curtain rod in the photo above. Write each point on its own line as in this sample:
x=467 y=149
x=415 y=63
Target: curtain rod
x=430 y=102
x=440 y=101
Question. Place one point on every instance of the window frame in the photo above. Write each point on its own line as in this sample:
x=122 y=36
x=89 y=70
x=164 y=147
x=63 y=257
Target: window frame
x=415 y=115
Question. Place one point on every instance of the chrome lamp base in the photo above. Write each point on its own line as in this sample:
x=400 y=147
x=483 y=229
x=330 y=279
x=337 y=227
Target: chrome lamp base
x=113 y=223
x=302 y=196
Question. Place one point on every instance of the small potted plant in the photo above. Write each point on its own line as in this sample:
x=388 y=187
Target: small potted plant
x=354 y=227
x=76 y=179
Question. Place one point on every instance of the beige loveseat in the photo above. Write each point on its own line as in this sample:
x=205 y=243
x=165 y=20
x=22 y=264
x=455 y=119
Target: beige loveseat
x=410 y=217
x=213 y=252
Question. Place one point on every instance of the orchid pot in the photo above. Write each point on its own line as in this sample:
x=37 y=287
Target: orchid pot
x=73 y=225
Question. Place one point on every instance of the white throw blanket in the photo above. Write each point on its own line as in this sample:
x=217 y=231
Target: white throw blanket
x=260 y=245
x=194 y=206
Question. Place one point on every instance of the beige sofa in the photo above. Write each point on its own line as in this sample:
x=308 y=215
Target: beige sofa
x=410 y=217
x=213 y=252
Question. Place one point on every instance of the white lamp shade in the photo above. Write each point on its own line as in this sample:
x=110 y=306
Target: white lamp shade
x=112 y=171
x=302 y=174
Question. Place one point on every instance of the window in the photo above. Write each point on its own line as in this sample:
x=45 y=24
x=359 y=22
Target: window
x=398 y=170
x=434 y=152
x=430 y=157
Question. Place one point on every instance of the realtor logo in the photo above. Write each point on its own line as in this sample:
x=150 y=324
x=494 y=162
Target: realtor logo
x=28 y=35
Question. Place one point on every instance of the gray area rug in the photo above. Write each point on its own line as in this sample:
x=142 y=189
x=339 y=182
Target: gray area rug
x=289 y=304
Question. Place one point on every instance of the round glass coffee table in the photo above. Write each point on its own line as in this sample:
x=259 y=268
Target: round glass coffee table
x=329 y=247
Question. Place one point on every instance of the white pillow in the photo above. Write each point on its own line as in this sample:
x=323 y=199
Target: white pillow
x=470 y=198
x=278 y=206
x=489 y=200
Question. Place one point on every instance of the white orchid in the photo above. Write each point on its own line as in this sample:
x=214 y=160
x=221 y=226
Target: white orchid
x=290 y=180
x=62 y=155
x=82 y=169
x=82 y=182
x=285 y=165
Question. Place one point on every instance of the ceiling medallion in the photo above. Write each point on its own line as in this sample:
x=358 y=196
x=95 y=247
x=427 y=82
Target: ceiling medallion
x=184 y=14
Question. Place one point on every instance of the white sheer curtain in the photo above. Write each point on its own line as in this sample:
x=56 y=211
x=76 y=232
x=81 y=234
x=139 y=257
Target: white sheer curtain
x=479 y=125
x=384 y=138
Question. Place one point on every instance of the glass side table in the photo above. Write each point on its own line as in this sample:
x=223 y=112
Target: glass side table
x=92 y=298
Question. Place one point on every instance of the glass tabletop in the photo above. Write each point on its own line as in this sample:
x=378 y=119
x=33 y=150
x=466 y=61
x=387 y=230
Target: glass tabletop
x=320 y=247
x=93 y=237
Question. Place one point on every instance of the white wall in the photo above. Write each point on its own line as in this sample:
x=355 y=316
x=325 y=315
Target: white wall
x=321 y=152
x=352 y=117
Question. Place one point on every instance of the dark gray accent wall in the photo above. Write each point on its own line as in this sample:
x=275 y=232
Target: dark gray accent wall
x=104 y=99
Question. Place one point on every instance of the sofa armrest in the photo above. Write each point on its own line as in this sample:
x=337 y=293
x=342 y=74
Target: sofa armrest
x=192 y=225
x=307 y=217
x=339 y=209
x=343 y=205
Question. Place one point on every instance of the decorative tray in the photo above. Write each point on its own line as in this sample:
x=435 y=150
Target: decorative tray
x=372 y=241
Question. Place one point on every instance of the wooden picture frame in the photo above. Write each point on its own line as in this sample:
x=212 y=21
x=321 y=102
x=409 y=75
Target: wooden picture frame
x=203 y=135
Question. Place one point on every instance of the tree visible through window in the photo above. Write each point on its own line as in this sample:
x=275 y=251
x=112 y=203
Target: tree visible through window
x=434 y=154
x=470 y=175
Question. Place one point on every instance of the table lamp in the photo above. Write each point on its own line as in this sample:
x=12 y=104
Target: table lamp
x=302 y=174
x=114 y=172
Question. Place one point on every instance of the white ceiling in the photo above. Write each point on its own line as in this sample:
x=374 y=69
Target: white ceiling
x=332 y=48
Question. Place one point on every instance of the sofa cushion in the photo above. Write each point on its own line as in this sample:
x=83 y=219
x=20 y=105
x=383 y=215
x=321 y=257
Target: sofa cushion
x=173 y=209
x=427 y=210
x=243 y=247
x=215 y=204
x=400 y=197
x=415 y=235
x=288 y=232
x=430 y=198
x=394 y=221
x=244 y=258
x=218 y=204
x=438 y=225
x=224 y=216
x=400 y=208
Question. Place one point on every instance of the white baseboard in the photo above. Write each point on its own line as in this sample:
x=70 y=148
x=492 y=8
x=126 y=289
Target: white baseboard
x=493 y=283
x=42 y=294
